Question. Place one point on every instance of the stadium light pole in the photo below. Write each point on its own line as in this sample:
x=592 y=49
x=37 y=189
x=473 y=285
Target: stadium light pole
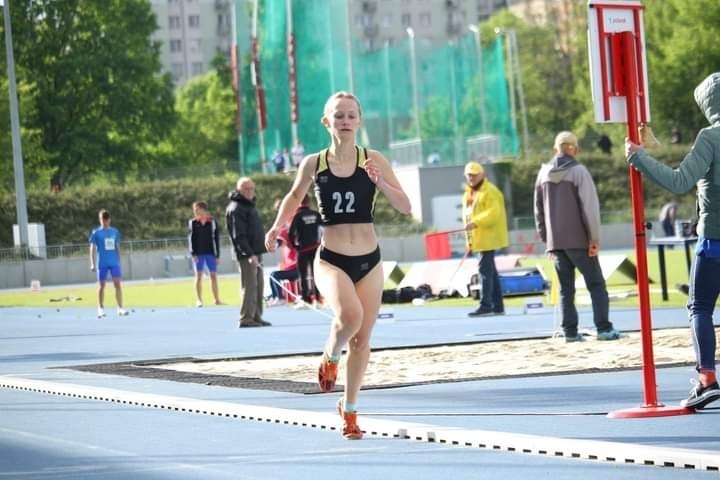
x=413 y=77
x=510 y=77
x=453 y=100
x=514 y=74
x=521 y=91
x=388 y=90
x=330 y=60
x=481 y=77
x=20 y=197
x=236 y=69
x=259 y=90
x=292 y=77
x=348 y=49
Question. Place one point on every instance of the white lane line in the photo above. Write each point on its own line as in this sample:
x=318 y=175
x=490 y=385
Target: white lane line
x=603 y=451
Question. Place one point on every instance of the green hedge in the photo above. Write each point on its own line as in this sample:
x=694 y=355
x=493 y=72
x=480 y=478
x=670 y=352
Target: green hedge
x=145 y=211
x=161 y=209
x=612 y=180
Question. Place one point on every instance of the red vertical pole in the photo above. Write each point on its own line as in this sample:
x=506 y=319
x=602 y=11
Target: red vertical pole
x=625 y=58
x=638 y=209
x=259 y=89
x=292 y=78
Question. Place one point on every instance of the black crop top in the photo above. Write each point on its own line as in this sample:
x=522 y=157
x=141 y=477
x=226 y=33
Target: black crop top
x=344 y=199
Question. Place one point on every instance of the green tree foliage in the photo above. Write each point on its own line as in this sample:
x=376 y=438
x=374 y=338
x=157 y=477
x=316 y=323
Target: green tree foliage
x=683 y=49
x=436 y=119
x=547 y=76
x=612 y=180
x=93 y=91
x=150 y=210
x=205 y=131
x=36 y=170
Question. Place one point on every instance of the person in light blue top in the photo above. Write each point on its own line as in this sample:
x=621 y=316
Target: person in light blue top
x=105 y=259
x=700 y=168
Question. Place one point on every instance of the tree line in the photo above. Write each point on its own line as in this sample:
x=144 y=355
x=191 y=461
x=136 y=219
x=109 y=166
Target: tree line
x=96 y=106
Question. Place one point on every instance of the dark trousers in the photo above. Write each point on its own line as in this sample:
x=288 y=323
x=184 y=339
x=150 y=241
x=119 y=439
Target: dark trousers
x=704 y=292
x=492 y=298
x=565 y=263
x=277 y=277
x=308 y=290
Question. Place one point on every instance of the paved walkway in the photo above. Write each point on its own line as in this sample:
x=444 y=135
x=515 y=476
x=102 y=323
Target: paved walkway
x=56 y=422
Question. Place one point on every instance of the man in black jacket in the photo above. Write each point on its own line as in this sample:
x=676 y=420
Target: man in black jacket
x=248 y=239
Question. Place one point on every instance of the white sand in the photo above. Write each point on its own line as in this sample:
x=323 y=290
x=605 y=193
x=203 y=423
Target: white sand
x=481 y=360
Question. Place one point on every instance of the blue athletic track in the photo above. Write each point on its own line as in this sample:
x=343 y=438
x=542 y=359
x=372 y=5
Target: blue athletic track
x=57 y=422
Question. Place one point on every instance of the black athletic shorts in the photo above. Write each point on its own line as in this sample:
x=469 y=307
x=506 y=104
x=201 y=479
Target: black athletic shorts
x=356 y=266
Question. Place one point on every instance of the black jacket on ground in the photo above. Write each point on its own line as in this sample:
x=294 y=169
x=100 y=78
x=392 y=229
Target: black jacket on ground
x=244 y=227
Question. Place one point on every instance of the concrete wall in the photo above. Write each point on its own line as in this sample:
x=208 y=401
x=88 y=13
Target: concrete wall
x=424 y=184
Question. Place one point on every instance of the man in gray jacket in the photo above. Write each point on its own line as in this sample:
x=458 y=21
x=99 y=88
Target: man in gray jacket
x=248 y=240
x=567 y=218
x=700 y=168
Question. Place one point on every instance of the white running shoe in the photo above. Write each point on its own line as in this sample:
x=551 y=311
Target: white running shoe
x=122 y=312
x=273 y=302
x=101 y=312
x=198 y=303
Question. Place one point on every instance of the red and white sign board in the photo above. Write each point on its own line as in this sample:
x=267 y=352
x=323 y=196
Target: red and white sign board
x=606 y=18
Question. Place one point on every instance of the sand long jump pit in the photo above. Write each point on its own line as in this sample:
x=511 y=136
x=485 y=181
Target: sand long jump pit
x=400 y=367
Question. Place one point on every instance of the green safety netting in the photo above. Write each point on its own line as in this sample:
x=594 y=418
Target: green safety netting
x=447 y=79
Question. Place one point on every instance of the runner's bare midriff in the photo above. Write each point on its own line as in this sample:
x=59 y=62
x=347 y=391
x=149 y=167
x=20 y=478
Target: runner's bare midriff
x=350 y=238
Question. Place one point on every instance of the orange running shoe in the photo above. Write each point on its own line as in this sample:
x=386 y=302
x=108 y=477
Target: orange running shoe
x=327 y=374
x=351 y=430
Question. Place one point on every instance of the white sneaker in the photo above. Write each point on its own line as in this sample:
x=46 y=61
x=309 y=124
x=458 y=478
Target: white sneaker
x=198 y=303
x=122 y=312
x=101 y=312
x=273 y=302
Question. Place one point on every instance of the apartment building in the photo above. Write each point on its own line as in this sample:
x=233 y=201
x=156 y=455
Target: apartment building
x=375 y=22
x=558 y=13
x=192 y=33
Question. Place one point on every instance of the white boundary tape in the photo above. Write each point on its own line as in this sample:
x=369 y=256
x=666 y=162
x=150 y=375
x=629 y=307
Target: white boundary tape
x=298 y=299
x=614 y=452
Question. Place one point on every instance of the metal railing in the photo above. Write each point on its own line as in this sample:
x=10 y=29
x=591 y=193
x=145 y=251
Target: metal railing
x=75 y=250
x=606 y=218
